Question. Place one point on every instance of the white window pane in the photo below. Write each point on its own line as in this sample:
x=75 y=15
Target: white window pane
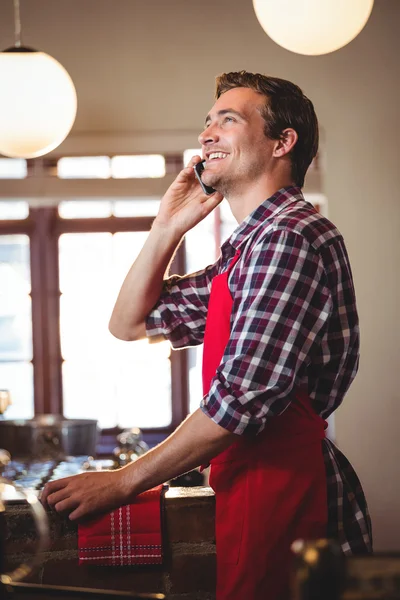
x=13 y=168
x=85 y=209
x=84 y=167
x=89 y=392
x=17 y=377
x=188 y=154
x=226 y=213
x=228 y=221
x=126 y=247
x=14 y=209
x=16 y=330
x=85 y=262
x=120 y=388
x=84 y=325
x=139 y=207
x=143 y=384
x=195 y=377
x=200 y=245
x=15 y=263
x=15 y=301
x=150 y=165
x=103 y=375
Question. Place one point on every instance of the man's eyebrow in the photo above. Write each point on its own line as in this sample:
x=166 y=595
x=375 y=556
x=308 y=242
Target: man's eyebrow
x=225 y=111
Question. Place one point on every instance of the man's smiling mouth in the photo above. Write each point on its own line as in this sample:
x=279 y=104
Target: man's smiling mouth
x=217 y=155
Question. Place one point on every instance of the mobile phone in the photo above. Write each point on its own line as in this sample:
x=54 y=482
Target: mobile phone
x=198 y=169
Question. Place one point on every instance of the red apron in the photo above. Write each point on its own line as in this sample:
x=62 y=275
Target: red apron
x=269 y=489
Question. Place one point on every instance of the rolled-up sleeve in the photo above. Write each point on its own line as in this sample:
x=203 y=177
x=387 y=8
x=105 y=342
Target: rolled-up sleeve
x=181 y=311
x=281 y=306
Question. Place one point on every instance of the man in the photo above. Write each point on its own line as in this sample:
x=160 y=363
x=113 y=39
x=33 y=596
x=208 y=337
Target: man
x=278 y=320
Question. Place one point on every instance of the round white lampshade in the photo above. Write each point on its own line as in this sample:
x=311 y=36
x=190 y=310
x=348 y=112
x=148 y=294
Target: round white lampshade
x=312 y=26
x=37 y=104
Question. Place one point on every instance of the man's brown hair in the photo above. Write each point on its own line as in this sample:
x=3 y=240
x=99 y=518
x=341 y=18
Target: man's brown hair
x=285 y=106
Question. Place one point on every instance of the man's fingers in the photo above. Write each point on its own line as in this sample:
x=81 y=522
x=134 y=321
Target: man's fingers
x=185 y=174
x=194 y=160
x=52 y=487
x=78 y=513
x=188 y=170
x=66 y=505
x=55 y=497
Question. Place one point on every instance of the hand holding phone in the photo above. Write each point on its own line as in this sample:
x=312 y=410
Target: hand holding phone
x=198 y=169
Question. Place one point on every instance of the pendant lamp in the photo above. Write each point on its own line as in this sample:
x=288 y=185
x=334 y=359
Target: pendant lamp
x=312 y=27
x=37 y=101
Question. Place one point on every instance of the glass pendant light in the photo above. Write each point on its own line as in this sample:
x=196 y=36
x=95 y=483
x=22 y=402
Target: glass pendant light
x=37 y=102
x=312 y=27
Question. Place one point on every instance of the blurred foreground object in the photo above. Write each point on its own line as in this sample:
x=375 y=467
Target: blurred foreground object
x=322 y=572
x=41 y=524
x=130 y=446
x=319 y=570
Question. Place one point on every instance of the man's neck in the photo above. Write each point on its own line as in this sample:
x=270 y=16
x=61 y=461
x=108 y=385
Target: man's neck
x=243 y=203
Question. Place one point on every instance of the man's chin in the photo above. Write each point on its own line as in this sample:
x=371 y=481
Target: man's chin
x=211 y=180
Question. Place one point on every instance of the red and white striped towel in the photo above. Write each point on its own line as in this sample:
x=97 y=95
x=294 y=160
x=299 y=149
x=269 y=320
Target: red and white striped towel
x=130 y=535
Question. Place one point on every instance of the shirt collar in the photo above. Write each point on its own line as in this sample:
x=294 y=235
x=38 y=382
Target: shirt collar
x=265 y=212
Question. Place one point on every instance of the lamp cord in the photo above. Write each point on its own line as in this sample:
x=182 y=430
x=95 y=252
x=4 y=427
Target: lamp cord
x=17 y=24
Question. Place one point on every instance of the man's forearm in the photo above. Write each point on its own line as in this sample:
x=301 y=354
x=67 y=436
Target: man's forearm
x=194 y=442
x=142 y=286
x=181 y=208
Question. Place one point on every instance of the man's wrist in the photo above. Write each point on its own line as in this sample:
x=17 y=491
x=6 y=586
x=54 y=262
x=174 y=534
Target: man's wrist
x=167 y=232
x=125 y=484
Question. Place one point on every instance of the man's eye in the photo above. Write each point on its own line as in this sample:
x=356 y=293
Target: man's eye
x=229 y=119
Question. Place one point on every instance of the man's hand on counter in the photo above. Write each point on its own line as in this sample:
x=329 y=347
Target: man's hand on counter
x=86 y=493
x=197 y=440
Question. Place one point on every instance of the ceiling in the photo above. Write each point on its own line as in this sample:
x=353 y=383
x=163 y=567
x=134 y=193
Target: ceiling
x=150 y=65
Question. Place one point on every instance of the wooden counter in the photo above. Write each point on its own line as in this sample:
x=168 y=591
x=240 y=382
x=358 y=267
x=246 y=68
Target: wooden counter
x=188 y=572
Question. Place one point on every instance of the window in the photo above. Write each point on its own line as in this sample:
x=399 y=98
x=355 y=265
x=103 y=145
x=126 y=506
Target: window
x=83 y=208
x=84 y=167
x=139 y=207
x=150 y=165
x=59 y=279
x=103 y=167
x=104 y=377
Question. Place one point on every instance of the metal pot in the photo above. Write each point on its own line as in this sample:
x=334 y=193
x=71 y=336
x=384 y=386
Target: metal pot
x=49 y=436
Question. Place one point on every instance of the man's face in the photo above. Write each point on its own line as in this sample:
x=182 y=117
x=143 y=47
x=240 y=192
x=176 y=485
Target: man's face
x=234 y=145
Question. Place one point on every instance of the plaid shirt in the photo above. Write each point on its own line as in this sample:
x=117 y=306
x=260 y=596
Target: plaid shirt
x=293 y=324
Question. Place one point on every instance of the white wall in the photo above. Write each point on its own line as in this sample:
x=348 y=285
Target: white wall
x=361 y=117
x=149 y=67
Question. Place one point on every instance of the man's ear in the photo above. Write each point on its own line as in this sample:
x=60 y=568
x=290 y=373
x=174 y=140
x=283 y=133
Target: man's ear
x=285 y=144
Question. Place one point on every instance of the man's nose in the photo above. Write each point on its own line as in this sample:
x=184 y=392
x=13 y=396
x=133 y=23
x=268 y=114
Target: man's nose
x=208 y=136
